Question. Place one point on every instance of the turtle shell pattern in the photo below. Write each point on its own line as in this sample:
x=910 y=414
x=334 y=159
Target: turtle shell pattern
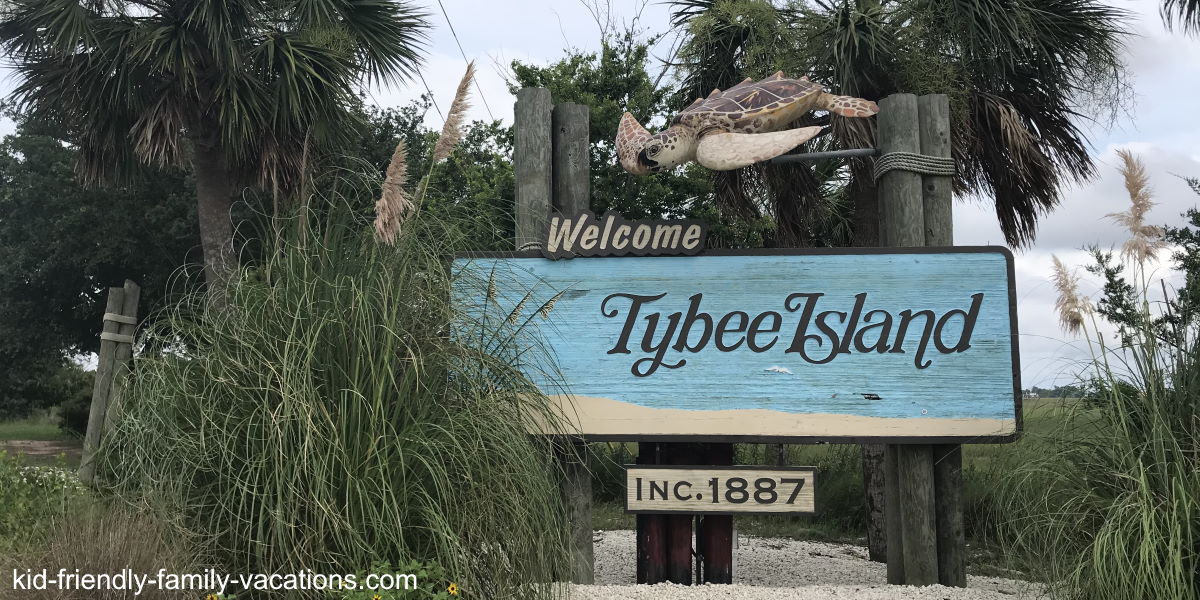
x=752 y=107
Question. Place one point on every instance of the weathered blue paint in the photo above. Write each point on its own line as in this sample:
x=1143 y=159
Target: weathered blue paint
x=583 y=331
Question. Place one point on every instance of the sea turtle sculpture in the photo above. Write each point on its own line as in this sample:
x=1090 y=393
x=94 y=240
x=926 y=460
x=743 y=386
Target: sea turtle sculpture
x=735 y=128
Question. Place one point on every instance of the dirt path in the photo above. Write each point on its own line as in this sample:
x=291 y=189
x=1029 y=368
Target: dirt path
x=45 y=451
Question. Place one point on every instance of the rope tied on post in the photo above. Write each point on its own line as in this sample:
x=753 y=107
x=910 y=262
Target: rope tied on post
x=915 y=163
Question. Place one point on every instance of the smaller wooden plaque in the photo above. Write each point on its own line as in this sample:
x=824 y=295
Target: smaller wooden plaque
x=669 y=489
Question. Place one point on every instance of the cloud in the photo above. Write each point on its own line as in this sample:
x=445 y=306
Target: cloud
x=443 y=72
x=1080 y=219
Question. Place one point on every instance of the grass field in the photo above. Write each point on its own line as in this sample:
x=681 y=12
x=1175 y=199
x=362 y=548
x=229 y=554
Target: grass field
x=42 y=427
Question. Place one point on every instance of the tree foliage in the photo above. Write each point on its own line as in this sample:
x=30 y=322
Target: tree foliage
x=244 y=90
x=611 y=82
x=62 y=246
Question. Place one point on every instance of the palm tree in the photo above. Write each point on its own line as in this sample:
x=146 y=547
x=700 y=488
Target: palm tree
x=1021 y=76
x=242 y=90
x=1184 y=12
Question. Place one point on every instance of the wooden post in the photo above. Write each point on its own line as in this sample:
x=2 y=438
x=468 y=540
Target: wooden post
x=534 y=158
x=572 y=166
x=874 y=499
x=116 y=336
x=714 y=534
x=937 y=202
x=892 y=517
x=570 y=186
x=129 y=308
x=902 y=223
x=934 y=124
x=531 y=164
x=678 y=528
x=651 y=549
x=948 y=498
x=577 y=492
x=918 y=525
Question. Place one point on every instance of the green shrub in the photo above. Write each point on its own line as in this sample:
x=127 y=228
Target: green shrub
x=323 y=419
x=32 y=500
x=1110 y=509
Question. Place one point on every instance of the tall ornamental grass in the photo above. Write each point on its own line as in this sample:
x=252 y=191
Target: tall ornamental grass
x=323 y=418
x=1111 y=509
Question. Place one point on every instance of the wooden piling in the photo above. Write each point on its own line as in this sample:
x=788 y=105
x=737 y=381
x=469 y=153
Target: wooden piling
x=918 y=526
x=532 y=164
x=116 y=348
x=902 y=220
x=572 y=167
x=937 y=200
x=549 y=145
x=936 y=193
x=948 y=498
x=908 y=479
x=714 y=534
x=892 y=516
x=129 y=309
x=651 y=547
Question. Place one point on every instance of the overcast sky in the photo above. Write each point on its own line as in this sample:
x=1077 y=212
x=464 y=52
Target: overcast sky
x=1162 y=128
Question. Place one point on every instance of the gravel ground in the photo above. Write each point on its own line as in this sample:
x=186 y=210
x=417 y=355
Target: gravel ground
x=783 y=569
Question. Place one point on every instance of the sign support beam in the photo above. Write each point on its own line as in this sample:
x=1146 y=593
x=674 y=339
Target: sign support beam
x=550 y=165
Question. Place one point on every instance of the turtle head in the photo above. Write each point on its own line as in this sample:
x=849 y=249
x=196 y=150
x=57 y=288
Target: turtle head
x=643 y=153
x=631 y=140
x=668 y=149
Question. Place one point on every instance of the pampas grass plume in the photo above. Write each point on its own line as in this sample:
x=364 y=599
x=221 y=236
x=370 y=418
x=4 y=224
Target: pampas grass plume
x=394 y=205
x=452 y=132
x=1070 y=305
x=1144 y=240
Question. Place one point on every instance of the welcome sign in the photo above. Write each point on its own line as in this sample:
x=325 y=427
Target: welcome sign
x=846 y=345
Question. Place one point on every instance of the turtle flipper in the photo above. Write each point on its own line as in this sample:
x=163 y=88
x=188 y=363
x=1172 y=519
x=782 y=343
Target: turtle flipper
x=727 y=151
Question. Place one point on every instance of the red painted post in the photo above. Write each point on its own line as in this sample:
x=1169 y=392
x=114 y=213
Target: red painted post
x=679 y=527
x=651 y=534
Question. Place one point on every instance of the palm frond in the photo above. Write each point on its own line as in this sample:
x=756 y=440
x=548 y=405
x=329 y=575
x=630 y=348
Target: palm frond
x=1182 y=13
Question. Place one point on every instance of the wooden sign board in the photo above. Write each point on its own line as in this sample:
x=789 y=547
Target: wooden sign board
x=879 y=345
x=666 y=489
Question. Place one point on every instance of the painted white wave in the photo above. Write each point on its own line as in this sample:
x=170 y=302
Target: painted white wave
x=776 y=369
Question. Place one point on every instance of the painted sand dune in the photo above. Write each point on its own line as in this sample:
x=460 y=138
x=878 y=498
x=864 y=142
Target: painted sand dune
x=614 y=419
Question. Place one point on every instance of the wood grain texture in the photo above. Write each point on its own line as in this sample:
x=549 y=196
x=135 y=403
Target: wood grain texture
x=532 y=163
x=575 y=350
x=951 y=537
x=688 y=489
x=572 y=168
x=918 y=521
x=936 y=192
x=101 y=388
x=893 y=517
x=651 y=530
x=900 y=205
x=714 y=533
x=129 y=308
